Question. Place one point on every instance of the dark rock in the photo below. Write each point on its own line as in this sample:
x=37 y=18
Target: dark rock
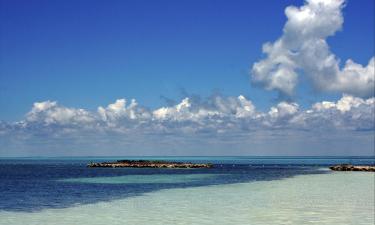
x=149 y=164
x=348 y=167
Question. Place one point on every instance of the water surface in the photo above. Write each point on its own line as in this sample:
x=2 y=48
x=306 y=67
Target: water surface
x=238 y=190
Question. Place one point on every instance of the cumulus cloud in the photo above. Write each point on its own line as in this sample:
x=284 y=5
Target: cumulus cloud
x=214 y=114
x=177 y=112
x=303 y=48
x=347 y=113
x=118 y=112
x=214 y=107
x=215 y=121
x=49 y=113
x=283 y=109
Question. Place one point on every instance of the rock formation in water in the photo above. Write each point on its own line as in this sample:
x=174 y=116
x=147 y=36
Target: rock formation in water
x=348 y=167
x=149 y=164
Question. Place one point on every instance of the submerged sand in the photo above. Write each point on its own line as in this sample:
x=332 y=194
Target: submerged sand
x=330 y=199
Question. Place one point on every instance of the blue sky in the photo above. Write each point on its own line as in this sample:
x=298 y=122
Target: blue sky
x=86 y=54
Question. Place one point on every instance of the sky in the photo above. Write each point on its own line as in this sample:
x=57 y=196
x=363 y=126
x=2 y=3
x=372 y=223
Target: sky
x=186 y=77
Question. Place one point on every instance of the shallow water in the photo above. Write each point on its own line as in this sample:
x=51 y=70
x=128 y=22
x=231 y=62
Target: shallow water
x=143 y=179
x=66 y=192
x=334 y=198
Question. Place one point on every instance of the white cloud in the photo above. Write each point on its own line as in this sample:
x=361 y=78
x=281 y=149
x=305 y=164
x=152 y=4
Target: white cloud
x=217 y=114
x=283 y=109
x=355 y=79
x=345 y=104
x=245 y=108
x=303 y=47
x=348 y=113
x=180 y=111
x=212 y=108
x=119 y=110
x=50 y=113
x=195 y=122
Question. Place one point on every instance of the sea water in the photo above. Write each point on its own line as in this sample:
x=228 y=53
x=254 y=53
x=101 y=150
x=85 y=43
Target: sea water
x=236 y=191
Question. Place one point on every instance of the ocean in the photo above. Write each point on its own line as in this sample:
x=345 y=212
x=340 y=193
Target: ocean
x=237 y=190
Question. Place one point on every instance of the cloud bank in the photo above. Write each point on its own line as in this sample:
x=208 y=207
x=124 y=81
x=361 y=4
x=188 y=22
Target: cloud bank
x=217 y=114
x=228 y=122
x=303 y=49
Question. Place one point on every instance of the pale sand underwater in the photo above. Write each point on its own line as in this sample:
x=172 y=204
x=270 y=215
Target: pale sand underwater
x=340 y=198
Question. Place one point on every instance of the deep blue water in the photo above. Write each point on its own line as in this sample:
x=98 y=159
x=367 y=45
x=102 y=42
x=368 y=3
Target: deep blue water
x=32 y=184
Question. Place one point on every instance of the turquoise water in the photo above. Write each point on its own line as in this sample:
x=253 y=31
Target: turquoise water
x=143 y=179
x=334 y=198
x=259 y=191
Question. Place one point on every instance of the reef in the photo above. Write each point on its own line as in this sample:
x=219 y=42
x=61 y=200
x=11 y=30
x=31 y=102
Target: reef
x=348 y=167
x=149 y=164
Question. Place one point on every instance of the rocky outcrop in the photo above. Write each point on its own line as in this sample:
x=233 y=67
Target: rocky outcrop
x=348 y=167
x=149 y=164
